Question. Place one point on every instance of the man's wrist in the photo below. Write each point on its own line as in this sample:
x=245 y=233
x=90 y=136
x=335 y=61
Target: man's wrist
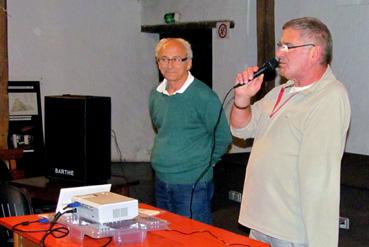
x=240 y=107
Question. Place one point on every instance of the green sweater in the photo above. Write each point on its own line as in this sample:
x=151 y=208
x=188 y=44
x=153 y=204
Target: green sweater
x=185 y=123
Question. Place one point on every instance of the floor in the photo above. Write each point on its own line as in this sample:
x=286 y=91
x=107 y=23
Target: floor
x=354 y=204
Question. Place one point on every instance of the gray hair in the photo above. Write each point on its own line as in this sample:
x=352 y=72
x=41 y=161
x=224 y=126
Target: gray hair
x=311 y=27
x=184 y=42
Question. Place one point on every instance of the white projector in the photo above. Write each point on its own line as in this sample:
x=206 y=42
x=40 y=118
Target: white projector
x=105 y=207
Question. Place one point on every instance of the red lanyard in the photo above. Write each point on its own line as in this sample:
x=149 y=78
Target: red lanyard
x=276 y=108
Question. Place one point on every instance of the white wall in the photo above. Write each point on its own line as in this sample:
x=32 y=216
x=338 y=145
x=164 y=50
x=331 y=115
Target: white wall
x=88 y=47
x=95 y=47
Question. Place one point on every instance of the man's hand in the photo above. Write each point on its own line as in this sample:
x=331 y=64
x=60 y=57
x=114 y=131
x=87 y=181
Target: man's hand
x=243 y=94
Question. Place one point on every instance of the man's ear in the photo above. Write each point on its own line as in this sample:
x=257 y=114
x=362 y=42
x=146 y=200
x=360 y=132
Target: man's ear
x=189 y=64
x=317 y=53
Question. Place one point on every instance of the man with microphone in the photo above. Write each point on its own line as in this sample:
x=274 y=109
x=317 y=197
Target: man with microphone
x=291 y=192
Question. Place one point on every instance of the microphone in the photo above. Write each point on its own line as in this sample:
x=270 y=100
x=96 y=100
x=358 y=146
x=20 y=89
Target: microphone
x=269 y=65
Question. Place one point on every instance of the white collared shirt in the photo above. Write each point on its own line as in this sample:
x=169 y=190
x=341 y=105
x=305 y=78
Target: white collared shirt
x=162 y=88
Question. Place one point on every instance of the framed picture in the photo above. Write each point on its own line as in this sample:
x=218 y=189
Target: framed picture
x=23 y=103
x=25 y=124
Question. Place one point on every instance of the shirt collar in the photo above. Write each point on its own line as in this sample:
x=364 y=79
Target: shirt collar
x=295 y=89
x=162 y=88
x=326 y=78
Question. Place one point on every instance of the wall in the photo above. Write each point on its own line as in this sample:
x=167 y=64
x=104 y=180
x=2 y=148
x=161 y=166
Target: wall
x=88 y=47
x=96 y=47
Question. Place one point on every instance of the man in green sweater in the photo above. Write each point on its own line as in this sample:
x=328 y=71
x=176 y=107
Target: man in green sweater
x=192 y=134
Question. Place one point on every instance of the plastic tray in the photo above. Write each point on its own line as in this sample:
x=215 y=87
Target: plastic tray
x=122 y=232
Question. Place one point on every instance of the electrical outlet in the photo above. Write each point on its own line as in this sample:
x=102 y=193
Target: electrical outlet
x=234 y=196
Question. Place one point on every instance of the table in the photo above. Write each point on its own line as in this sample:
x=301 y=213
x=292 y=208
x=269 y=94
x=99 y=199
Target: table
x=43 y=191
x=179 y=234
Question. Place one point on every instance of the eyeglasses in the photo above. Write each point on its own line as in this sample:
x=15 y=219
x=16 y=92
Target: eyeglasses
x=284 y=47
x=174 y=60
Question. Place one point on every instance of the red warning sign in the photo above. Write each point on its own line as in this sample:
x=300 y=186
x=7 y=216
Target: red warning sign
x=223 y=30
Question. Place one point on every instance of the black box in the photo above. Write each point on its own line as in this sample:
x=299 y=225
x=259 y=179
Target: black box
x=78 y=138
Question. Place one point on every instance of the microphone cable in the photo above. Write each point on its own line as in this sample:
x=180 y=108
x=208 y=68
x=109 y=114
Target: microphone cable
x=268 y=66
x=212 y=150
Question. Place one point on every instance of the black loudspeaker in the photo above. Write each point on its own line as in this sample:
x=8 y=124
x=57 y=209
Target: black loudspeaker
x=78 y=138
